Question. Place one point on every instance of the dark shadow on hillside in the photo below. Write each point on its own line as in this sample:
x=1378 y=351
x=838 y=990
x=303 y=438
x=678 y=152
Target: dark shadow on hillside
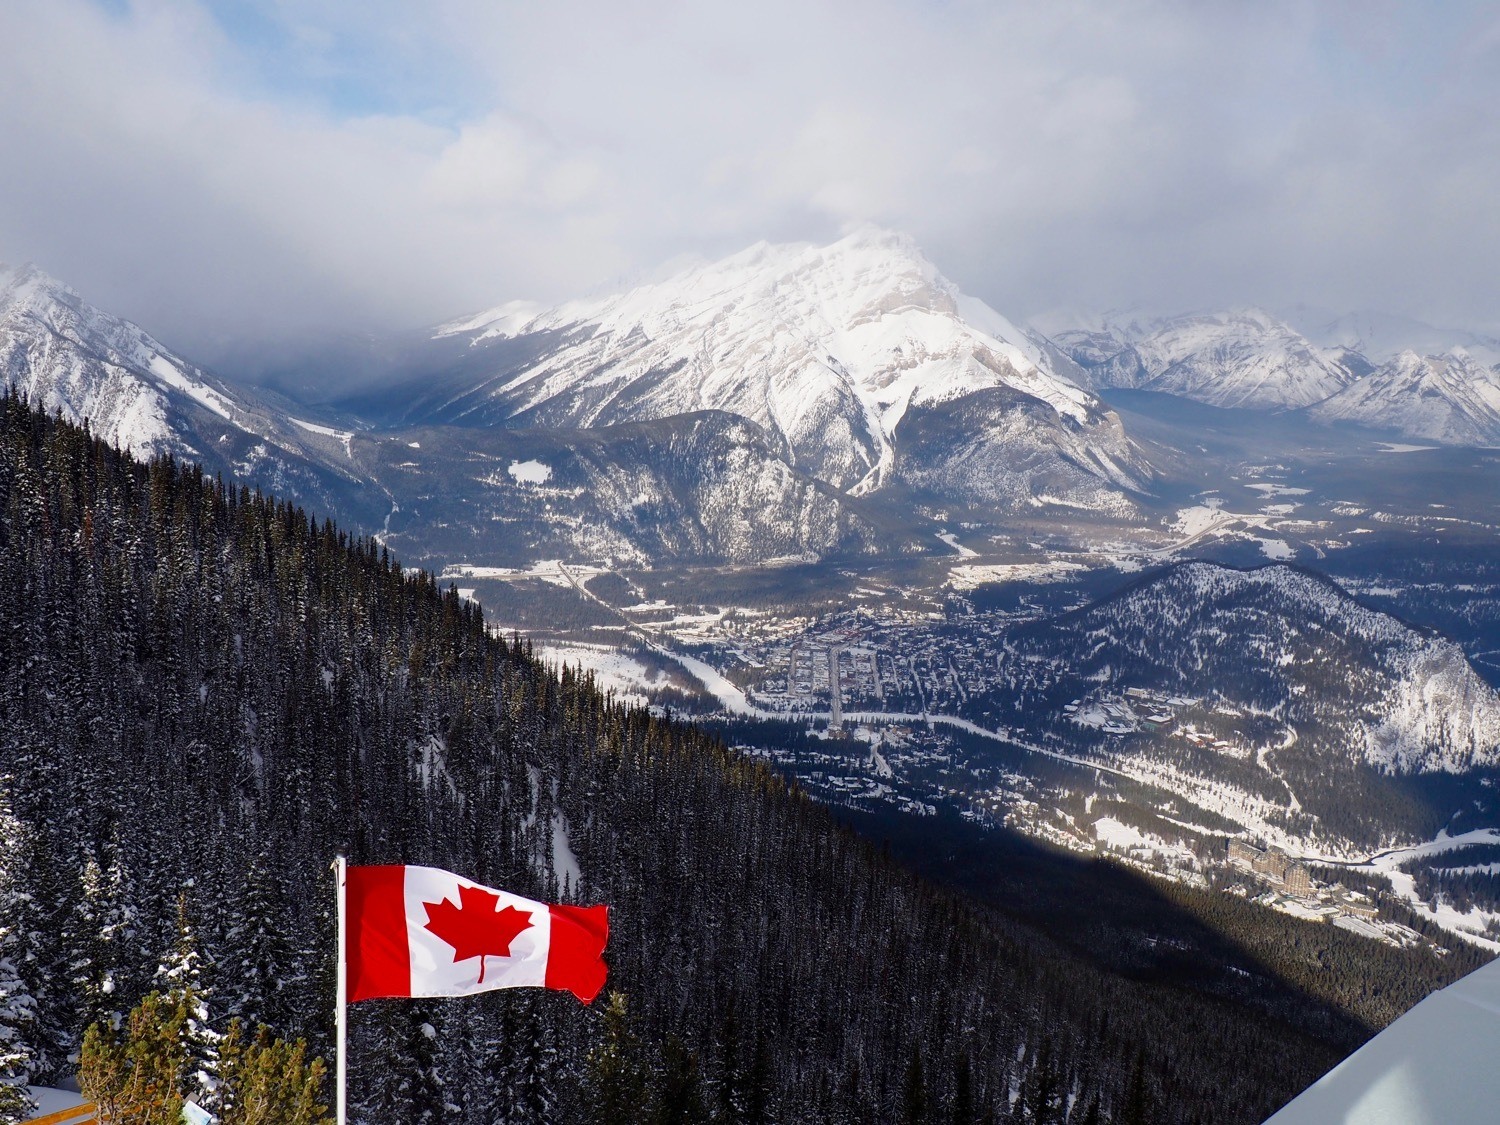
x=1127 y=925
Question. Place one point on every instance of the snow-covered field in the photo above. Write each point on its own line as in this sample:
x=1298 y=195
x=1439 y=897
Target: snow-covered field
x=959 y=549
x=1469 y=926
x=1278 y=550
x=1199 y=518
x=554 y=571
x=613 y=671
x=530 y=472
x=972 y=575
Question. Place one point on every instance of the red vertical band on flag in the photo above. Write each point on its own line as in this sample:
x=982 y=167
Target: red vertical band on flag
x=575 y=952
x=379 y=962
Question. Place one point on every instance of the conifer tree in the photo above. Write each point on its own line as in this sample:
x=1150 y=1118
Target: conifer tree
x=136 y=1076
x=617 y=1080
x=17 y=1017
x=1042 y=1101
x=758 y=1083
x=17 y=1006
x=268 y=1081
x=258 y=956
x=180 y=975
x=1137 y=1101
x=731 y=1082
x=680 y=1098
x=422 y=1077
x=962 y=1110
x=533 y=1096
x=914 y=1107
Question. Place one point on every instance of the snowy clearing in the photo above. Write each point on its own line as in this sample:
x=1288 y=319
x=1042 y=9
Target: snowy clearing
x=1468 y=926
x=170 y=374
x=970 y=576
x=530 y=472
x=613 y=671
x=1199 y=518
x=1279 y=489
x=952 y=540
x=326 y=431
x=1276 y=549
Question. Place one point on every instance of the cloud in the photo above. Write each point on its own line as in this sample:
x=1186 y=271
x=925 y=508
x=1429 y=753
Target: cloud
x=227 y=172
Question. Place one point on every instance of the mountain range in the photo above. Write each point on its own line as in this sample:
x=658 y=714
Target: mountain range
x=843 y=405
x=834 y=351
x=1447 y=398
x=1250 y=359
x=788 y=401
x=1245 y=359
x=64 y=355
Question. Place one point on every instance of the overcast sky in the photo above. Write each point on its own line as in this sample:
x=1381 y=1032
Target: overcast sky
x=226 y=170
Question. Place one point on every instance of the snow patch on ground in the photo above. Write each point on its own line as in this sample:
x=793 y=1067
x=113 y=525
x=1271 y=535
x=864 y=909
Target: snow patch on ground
x=952 y=540
x=1123 y=837
x=1276 y=549
x=613 y=671
x=530 y=472
x=970 y=576
x=564 y=863
x=1466 y=925
x=168 y=372
x=1199 y=518
x=327 y=431
x=1117 y=834
x=52 y=1100
x=1279 y=489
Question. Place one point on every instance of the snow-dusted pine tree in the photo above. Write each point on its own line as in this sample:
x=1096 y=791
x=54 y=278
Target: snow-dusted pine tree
x=17 y=1017
x=258 y=971
x=180 y=976
x=17 y=1006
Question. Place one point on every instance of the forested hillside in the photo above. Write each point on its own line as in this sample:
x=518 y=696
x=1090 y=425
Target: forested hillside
x=208 y=694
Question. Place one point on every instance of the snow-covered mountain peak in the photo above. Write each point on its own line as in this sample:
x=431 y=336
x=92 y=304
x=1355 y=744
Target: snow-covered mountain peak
x=844 y=283
x=1244 y=357
x=825 y=346
x=62 y=352
x=1381 y=337
x=1449 y=397
x=29 y=287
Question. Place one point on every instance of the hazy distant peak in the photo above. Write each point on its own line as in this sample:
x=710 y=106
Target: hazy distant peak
x=1241 y=357
x=866 y=259
x=28 y=284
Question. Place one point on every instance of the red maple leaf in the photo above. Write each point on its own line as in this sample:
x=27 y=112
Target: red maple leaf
x=475 y=928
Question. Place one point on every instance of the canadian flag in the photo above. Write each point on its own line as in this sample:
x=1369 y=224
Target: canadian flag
x=422 y=931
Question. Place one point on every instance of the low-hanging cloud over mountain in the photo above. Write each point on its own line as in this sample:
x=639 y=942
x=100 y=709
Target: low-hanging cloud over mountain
x=223 y=171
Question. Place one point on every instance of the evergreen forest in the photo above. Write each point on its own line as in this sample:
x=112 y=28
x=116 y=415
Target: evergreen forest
x=209 y=693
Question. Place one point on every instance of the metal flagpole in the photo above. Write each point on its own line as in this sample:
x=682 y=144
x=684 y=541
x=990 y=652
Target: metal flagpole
x=341 y=1016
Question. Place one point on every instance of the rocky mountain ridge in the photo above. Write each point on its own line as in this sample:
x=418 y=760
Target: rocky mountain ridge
x=1245 y=358
x=1250 y=359
x=67 y=356
x=828 y=349
x=1447 y=398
